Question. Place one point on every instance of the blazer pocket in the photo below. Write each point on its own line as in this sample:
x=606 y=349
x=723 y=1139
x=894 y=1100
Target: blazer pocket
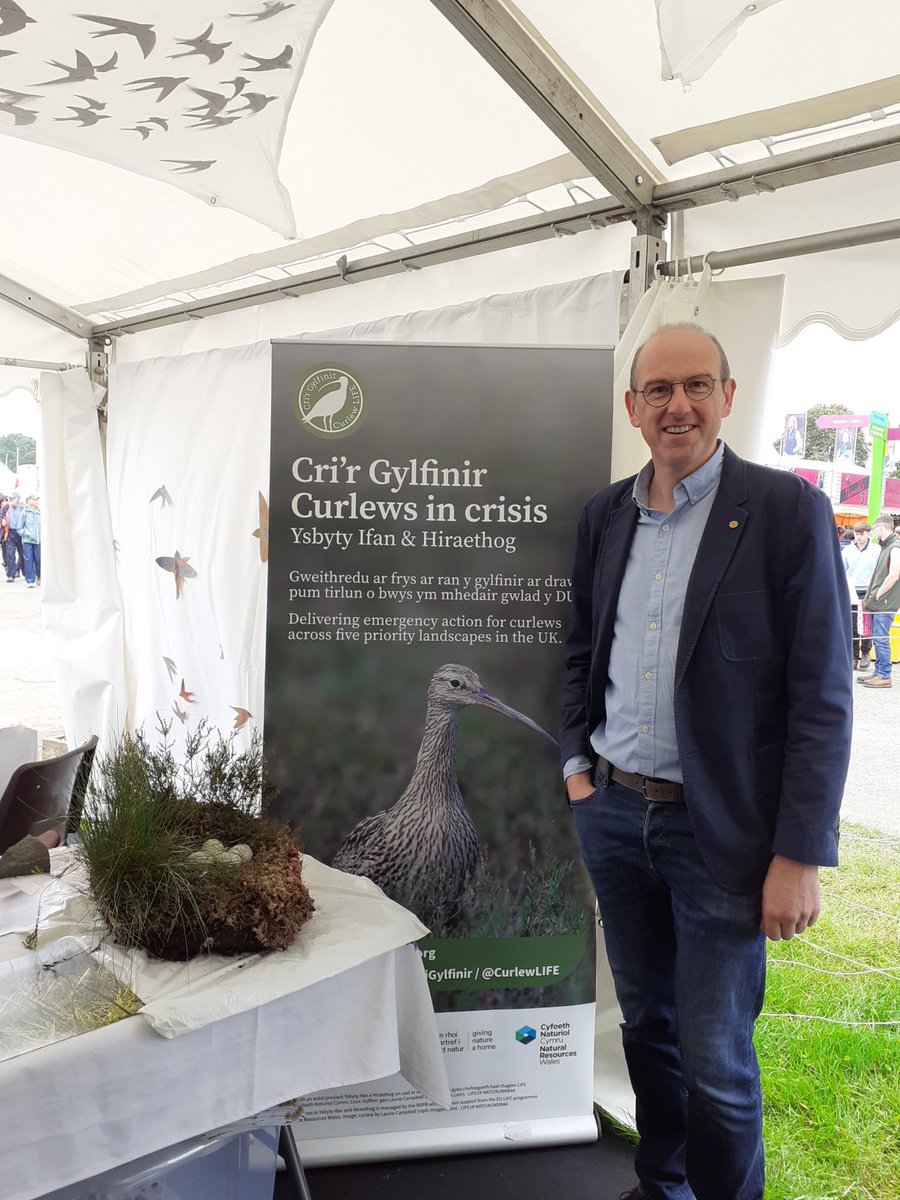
x=746 y=625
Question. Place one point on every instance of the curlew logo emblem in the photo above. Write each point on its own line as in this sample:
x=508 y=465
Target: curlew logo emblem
x=330 y=402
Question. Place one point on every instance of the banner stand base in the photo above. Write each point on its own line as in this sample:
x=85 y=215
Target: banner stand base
x=465 y=1139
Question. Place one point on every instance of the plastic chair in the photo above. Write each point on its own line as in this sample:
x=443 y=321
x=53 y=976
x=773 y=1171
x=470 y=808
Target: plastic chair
x=46 y=795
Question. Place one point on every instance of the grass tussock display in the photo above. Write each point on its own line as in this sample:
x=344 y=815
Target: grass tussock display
x=180 y=855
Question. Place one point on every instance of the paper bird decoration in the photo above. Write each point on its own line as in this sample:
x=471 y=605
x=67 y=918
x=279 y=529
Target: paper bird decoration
x=263 y=531
x=180 y=568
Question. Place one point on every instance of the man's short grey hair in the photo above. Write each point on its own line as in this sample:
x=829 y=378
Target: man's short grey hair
x=724 y=372
x=885 y=519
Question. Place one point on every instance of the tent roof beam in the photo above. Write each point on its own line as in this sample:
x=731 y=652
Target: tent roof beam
x=559 y=223
x=514 y=48
x=40 y=306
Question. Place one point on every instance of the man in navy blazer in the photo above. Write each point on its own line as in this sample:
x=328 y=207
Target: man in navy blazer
x=705 y=739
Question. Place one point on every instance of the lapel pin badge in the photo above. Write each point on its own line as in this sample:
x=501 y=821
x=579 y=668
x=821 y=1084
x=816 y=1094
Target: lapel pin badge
x=732 y=524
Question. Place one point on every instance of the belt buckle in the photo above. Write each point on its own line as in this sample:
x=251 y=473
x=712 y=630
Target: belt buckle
x=644 y=788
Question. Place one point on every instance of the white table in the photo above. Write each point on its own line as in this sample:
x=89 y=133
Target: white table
x=85 y=1105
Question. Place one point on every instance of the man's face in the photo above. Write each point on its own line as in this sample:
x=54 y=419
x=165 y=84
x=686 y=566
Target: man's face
x=682 y=434
x=881 y=532
x=861 y=537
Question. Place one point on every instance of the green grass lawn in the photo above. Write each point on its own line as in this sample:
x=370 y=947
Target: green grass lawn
x=832 y=1084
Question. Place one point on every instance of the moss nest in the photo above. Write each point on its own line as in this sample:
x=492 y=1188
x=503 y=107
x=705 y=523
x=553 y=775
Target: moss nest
x=158 y=840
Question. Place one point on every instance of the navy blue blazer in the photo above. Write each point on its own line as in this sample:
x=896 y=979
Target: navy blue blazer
x=762 y=677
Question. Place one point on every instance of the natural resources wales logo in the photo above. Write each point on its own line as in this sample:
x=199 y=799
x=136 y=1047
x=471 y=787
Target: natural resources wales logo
x=525 y=1035
x=330 y=402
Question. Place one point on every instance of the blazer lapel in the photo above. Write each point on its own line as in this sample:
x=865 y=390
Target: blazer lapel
x=724 y=529
x=610 y=569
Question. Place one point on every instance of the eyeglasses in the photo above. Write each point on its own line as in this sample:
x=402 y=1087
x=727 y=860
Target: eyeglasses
x=659 y=391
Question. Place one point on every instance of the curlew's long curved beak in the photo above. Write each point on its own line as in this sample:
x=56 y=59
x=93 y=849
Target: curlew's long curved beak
x=486 y=700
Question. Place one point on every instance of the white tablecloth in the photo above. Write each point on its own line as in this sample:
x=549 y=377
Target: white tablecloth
x=84 y=1105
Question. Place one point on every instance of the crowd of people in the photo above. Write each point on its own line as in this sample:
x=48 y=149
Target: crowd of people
x=20 y=538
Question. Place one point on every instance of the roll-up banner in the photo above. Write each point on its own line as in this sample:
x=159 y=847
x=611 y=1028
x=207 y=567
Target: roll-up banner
x=422 y=514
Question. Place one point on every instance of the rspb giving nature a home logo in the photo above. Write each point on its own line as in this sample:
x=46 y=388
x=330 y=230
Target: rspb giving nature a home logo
x=330 y=402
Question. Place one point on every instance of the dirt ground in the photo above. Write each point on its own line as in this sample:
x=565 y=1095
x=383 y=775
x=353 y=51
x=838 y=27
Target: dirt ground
x=29 y=695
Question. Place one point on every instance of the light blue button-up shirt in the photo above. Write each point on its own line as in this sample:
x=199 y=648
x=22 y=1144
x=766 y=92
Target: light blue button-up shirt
x=860 y=564
x=639 y=731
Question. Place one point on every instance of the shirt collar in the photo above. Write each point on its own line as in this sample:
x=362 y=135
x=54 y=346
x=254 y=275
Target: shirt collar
x=692 y=488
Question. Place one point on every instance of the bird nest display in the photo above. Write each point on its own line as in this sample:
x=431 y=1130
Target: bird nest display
x=178 y=855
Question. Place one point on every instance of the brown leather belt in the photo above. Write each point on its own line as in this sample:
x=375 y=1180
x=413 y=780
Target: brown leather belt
x=661 y=791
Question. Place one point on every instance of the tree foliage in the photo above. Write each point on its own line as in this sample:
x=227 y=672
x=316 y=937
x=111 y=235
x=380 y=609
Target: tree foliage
x=26 y=446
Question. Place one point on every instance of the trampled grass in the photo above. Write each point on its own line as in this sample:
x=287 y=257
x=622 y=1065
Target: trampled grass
x=829 y=1037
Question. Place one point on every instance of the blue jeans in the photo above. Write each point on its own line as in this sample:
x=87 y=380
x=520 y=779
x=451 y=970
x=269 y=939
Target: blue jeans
x=881 y=627
x=31 y=552
x=688 y=962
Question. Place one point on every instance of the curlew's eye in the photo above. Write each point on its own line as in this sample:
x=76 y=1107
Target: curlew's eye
x=454 y=683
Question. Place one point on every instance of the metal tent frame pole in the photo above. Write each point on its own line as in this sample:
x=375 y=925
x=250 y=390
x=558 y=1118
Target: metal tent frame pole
x=813 y=243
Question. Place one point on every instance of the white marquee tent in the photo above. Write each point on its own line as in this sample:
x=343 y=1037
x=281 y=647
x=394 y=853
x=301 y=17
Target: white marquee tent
x=178 y=190
x=188 y=185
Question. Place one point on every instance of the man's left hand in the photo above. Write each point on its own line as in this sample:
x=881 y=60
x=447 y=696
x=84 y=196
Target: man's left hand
x=790 y=898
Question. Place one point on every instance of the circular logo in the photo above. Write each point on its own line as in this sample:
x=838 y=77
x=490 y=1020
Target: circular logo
x=330 y=402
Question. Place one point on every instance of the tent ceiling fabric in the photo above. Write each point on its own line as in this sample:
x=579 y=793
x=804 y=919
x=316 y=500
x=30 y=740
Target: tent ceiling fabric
x=693 y=33
x=400 y=133
x=197 y=95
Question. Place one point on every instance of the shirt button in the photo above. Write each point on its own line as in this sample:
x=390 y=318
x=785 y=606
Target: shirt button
x=693 y=499
x=665 y=529
x=652 y=624
x=645 y=729
x=648 y=674
x=658 y=575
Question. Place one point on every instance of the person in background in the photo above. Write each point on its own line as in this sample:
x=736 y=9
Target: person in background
x=31 y=542
x=705 y=739
x=882 y=600
x=15 y=515
x=859 y=558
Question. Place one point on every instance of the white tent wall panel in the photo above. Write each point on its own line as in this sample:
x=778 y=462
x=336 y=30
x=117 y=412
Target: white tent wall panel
x=80 y=597
x=744 y=315
x=198 y=426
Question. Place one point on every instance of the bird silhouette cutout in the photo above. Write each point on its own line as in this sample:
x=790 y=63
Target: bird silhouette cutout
x=98 y=104
x=328 y=405
x=9 y=104
x=243 y=716
x=186 y=696
x=179 y=712
x=180 y=568
x=13 y=18
x=163 y=496
x=423 y=850
x=255 y=102
x=83 y=69
x=84 y=116
x=166 y=84
x=141 y=129
x=170 y=667
x=270 y=8
x=189 y=166
x=202 y=45
x=143 y=34
x=262 y=532
x=213 y=104
x=281 y=62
